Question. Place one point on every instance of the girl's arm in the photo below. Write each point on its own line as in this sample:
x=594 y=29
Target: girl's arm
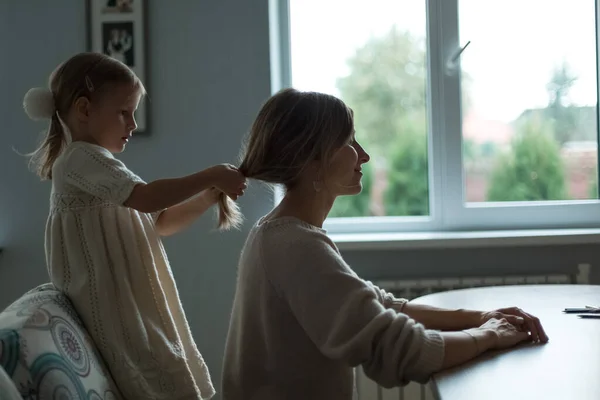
x=96 y=171
x=177 y=218
x=165 y=193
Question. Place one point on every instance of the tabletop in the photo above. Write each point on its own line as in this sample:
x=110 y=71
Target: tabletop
x=567 y=367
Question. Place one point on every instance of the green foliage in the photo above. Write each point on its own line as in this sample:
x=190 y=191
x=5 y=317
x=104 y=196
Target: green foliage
x=563 y=117
x=407 y=193
x=532 y=170
x=593 y=189
x=386 y=86
x=470 y=150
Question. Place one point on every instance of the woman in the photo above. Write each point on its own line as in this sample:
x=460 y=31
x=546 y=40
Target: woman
x=302 y=319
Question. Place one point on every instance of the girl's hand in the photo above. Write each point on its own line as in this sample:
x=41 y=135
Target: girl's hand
x=229 y=180
x=211 y=196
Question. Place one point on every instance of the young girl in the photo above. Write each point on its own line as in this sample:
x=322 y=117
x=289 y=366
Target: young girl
x=103 y=245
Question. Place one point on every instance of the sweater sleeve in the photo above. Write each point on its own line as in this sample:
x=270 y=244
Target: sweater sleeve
x=388 y=299
x=95 y=171
x=345 y=316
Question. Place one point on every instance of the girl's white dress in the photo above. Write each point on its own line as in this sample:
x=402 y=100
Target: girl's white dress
x=111 y=263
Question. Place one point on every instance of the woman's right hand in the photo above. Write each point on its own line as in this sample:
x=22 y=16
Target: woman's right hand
x=505 y=334
x=494 y=334
x=229 y=180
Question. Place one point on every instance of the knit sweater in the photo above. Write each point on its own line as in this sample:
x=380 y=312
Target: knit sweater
x=302 y=319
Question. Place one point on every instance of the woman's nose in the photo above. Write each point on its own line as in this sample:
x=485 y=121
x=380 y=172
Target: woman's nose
x=364 y=157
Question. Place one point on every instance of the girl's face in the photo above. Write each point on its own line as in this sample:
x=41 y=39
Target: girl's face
x=110 y=120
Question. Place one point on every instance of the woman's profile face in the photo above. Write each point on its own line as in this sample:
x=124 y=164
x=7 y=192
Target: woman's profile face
x=343 y=175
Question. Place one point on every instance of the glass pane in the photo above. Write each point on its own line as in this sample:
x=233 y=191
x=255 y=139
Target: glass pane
x=529 y=100
x=371 y=54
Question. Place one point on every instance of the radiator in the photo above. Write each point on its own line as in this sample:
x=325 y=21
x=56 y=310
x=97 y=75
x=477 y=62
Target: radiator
x=410 y=289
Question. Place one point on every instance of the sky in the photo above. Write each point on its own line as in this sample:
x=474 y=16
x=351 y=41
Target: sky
x=515 y=44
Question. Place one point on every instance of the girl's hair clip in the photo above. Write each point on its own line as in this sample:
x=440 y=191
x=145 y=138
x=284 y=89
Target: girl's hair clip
x=89 y=84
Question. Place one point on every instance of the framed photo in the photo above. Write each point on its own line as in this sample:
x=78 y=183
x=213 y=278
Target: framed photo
x=118 y=28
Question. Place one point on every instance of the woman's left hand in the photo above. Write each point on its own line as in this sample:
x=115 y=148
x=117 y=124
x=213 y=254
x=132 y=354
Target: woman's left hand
x=520 y=319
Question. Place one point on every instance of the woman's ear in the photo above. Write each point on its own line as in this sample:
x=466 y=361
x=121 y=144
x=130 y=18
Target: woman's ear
x=314 y=170
x=82 y=109
x=319 y=174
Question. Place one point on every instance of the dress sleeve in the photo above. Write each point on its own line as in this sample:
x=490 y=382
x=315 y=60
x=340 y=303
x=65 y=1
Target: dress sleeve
x=95 y=171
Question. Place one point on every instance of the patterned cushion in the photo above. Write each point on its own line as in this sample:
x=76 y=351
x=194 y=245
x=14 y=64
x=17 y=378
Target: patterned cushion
x=48 y=353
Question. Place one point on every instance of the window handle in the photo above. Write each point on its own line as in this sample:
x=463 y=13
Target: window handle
x=452 y=63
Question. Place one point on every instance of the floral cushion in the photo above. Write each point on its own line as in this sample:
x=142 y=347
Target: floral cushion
x=47 y=352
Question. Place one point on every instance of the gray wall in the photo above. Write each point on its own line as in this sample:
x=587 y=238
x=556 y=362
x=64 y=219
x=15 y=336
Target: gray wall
x=208 y=74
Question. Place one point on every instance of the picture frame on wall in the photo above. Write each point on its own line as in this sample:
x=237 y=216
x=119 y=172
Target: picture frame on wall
x=117 y=28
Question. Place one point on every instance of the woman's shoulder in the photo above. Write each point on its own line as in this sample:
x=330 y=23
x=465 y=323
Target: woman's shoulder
x=289 y=248
x=290 y=235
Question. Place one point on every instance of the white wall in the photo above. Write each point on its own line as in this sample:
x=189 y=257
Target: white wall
x=208 y=75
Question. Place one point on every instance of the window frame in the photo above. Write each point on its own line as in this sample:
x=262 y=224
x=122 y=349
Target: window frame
x=448 y=210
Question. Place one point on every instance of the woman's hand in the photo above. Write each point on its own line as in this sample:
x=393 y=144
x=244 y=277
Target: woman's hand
x=501 y=332
x=493 y=334
x=520 y=319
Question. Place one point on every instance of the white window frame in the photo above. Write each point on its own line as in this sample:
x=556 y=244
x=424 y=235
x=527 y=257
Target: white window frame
x=448 y=211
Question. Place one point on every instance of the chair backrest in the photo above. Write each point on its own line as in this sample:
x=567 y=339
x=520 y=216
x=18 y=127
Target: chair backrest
x=47 y=352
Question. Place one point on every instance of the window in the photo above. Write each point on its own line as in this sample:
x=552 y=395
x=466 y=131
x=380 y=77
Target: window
x=477 y=115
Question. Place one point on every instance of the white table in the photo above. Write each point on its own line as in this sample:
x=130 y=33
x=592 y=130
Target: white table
x=566 y=368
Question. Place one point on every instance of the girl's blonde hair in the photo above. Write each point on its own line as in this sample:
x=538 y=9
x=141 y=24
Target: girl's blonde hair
x=89 y=75
x=292 y=129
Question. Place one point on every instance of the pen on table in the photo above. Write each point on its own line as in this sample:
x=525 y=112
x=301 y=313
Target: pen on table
x=590 y=316
x=586 y=309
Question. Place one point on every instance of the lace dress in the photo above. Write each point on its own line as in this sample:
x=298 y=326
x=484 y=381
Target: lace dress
x=111 y=263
